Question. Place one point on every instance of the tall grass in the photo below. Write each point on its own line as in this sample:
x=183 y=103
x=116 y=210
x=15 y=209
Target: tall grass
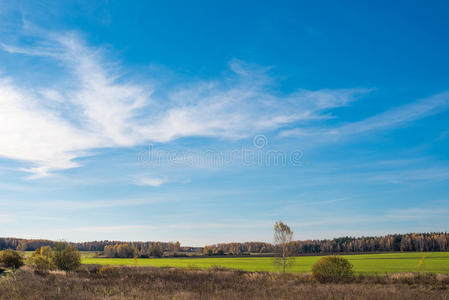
x=114 y=282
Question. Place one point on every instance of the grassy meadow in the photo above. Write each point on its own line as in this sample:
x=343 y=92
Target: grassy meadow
x=432 y=262
x=380 y=276
x=95 y=282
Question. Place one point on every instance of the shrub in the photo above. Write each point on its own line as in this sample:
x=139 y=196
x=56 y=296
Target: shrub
x=11 y=259
x=62 y=257
x=66 y=258
x=40 y=264
x=332 y=269
x=41 y=260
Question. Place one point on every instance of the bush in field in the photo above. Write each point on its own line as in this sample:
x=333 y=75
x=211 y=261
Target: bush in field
x=66 y=257
x=11 y=259
x=61 y=256
x=41 y=260
x=332 y=269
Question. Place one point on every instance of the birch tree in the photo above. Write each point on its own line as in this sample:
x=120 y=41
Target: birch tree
x=283 y=237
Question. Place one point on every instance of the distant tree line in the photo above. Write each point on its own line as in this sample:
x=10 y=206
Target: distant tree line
x=143 y=250
x=110 y=248
x=393 y=242
x=238 y=248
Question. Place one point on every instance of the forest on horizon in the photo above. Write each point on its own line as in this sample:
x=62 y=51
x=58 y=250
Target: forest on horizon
x=421 y=242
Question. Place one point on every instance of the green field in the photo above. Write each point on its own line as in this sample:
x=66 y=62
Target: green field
x=437 y=262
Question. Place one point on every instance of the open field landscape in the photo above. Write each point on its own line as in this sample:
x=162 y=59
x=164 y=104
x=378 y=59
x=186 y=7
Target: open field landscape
x=208 y=150
x=433 y=262
x=412 y=275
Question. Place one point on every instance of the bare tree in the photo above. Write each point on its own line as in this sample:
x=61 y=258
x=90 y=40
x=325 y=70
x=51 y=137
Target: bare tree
x=283 y=236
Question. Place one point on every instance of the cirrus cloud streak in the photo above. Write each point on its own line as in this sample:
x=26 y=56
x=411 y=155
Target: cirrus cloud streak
x=49 y=127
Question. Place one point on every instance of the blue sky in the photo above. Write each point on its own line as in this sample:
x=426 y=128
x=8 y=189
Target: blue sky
x=206 y=122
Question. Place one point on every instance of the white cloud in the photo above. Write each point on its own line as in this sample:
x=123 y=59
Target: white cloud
x=398 y=116
x=114 y=229
x=35 y=134
x=155 y=182
x=50 y=128
x=6 y=219
x=429 y=174
x=419 y=213
x=73 y=205
x=394 y=215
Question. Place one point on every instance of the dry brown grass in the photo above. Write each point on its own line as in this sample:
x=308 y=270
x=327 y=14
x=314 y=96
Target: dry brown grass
x=96 y=282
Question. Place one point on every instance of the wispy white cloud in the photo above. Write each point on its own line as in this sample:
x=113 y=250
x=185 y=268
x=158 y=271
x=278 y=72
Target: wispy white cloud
x=187 y=226
x=231 y=224
x=34 y=134
x=400 y=115
x=430 y=174
x=419 y=213
x=50 y=127
x=151 y=181
x=73 y=205
x=114 y=229
x=393 y=118
x=6 y=219
x=406 y=175
x=414 y=214
x=392 y=215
